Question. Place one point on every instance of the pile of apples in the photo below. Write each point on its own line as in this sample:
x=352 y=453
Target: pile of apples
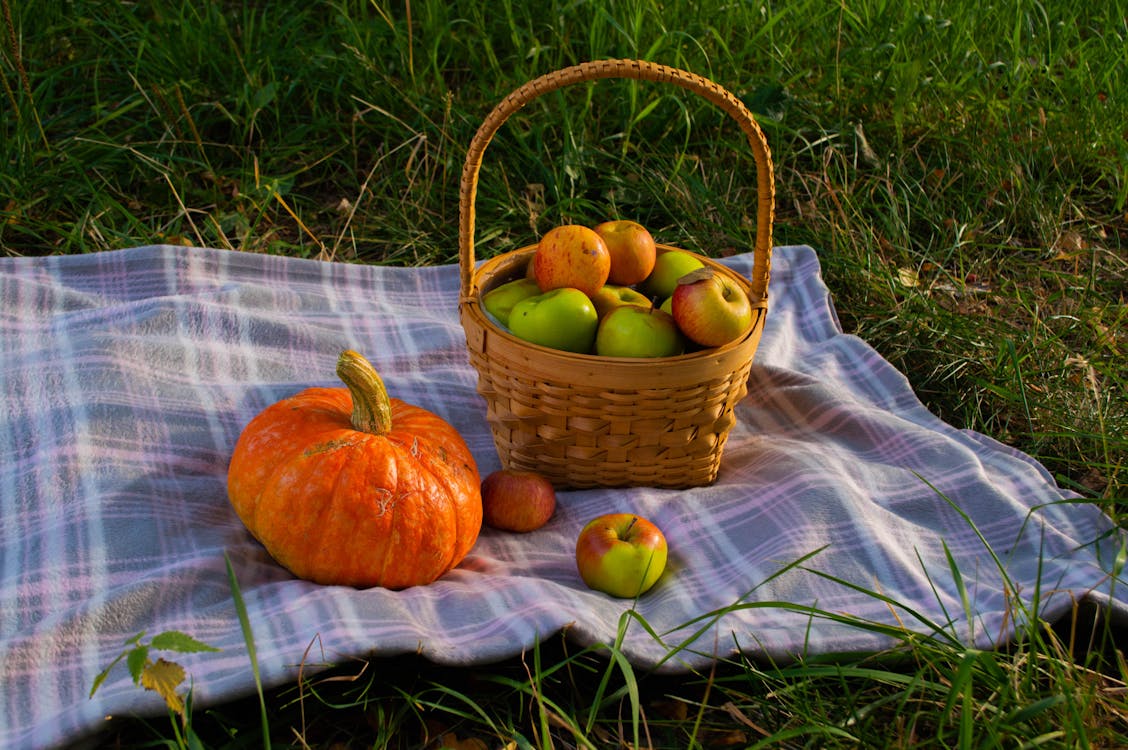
x=606 y=290
x=620 y=553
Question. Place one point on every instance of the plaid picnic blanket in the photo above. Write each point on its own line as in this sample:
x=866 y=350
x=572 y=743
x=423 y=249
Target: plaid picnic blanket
x=843 y=506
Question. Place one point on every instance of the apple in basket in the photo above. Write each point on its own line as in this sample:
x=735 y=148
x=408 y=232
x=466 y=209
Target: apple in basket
x=500 y=300
x=710 y=308
x=668 y=268
x=611 y=296
x=638 y=331
x=518 y=501
x=560 y=319
x=632 y=249
x=573 y=256
x=621 y=554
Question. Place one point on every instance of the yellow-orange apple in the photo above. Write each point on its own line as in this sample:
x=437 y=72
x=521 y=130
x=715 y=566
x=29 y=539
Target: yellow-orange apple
x=710 y=308
x=611 y=296
x=632 y=250
x=621 y=554
x=572 y=256
x=514 y=500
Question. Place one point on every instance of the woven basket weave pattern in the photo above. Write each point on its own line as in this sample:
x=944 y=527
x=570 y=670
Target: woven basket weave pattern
x=589 y=421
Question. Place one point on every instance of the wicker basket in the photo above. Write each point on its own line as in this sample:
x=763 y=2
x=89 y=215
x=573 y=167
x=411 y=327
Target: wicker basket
x=589 y=421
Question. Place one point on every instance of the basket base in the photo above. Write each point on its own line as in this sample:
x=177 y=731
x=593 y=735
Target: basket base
x=581 y=452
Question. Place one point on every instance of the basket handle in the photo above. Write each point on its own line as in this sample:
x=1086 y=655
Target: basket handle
x=639 y=70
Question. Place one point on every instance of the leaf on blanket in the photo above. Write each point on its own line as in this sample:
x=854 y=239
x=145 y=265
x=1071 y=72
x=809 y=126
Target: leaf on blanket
x=174 y=640
x=137 y=660
x=163 y=677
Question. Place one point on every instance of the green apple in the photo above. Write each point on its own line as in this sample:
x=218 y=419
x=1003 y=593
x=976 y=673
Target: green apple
x=561 y=318
x=621 y=554
x=611 y=296
x=710 y=308
x=667 y=305
x=637 y=331
x=500 y=300
x=668 y=268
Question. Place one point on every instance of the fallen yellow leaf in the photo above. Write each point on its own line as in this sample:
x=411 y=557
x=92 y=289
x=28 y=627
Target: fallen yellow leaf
x=163 y=677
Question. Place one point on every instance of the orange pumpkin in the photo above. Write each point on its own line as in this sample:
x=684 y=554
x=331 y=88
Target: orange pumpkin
x=348 y=486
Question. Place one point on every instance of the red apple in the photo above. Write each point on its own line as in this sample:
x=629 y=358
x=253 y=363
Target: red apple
x=710 y=308
x=515 y=500
x=571 y=256
x=632 y=250
x=621 y=554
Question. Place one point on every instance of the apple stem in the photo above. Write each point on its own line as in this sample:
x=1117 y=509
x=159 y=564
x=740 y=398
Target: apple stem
x=627 y=531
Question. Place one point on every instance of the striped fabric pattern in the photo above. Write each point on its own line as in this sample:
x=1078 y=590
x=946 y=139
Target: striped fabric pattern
x=127 y=376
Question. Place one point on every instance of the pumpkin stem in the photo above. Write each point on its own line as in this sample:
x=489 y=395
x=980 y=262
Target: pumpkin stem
x=372 y=412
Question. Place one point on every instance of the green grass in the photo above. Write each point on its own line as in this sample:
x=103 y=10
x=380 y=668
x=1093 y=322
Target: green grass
x=962 y=170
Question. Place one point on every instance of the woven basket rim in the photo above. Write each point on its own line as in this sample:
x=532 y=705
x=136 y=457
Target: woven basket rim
x=473 y=307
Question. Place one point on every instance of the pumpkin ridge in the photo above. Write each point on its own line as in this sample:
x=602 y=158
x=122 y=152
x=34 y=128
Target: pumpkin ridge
x=446 y=482
x=281 y=524
x=357 y=451
x=393 y=496
x=316 y=406
x=388 y=507
x=384 y=495
x=269 y=477
x=417 y=462
x=438 y=447
x=262 y=449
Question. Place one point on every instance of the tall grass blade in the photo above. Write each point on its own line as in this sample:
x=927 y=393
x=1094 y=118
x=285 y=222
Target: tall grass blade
x=249 y=639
